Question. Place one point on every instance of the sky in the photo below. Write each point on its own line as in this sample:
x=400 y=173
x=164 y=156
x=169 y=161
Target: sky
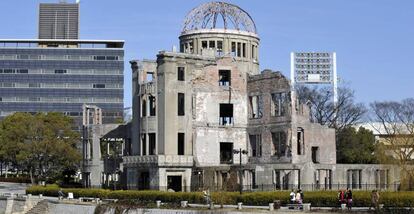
x=373 y=39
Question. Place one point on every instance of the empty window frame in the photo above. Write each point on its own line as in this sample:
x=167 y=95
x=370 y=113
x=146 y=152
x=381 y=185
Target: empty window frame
x=233 y=49
x=204 y=44
x=244 y=50
x=152 y=144
x=180 y=73
x=226 y=153
x=279 y=104
x=144 y=144
x=180 y=143
x=181 y=104
x=150 y=76
x=143 y=107
x=300 y=141
x=212 y=44
x=255 y=145
x=226 y=114
x=315 y=154
x=224 y=77
x=279 y=140
x=239 y=49
x=152 y=105
x=256 y=106
x=220 y=46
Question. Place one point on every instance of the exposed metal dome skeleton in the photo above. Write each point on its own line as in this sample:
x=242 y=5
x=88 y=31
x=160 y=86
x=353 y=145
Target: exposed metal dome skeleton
x=210 y=15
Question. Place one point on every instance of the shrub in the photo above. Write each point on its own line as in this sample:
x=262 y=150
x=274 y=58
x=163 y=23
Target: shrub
x=316 y=198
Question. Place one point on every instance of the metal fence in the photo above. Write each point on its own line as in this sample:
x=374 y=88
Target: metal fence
x=269 y=187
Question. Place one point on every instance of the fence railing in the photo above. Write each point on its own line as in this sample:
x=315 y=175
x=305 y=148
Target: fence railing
x=269 y=187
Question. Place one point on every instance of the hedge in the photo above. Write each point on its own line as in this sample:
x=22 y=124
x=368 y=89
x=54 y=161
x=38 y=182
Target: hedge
x=316 y=198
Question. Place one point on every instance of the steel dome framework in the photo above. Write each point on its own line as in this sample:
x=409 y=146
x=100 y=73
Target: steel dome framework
x=209 y=16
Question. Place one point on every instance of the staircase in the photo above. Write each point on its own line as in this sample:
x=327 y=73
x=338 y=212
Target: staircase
x=41 y=208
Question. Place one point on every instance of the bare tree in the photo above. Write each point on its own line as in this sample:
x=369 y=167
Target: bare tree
x=394 y=121
x=322 y=109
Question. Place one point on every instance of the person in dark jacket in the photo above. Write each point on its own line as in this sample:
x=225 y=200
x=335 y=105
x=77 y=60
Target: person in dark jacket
x=349 y=198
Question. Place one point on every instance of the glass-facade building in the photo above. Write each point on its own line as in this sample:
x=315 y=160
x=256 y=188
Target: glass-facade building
x=61 y=76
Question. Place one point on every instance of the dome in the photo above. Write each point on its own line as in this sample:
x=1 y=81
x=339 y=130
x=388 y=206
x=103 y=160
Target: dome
x=219 y=15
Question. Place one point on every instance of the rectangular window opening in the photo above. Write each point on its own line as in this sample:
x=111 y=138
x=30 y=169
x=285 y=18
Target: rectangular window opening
x=255 y=145
x=204 y=44
x=150 y=76
x=233 y=49
x=181 y=104
x=226 y=153
x=315 y=154
x=152 y=143
x=181 y=73
x=256 y=106
x=152 y=105
x=224 y=77
x=226 y=114
x=180 y=143
x=300 y=142
x=279 y=143
x=144 y=144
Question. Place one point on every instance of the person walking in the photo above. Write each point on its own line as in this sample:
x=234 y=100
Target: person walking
x=374 y=199
x=298 y=199
x=349 y=198
x=341 y=197
x=292 y=197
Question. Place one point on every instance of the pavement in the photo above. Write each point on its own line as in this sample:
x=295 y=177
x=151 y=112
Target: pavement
x=15 y=188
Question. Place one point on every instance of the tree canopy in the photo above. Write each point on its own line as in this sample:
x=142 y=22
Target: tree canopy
x=43 y=145
x=355 y=146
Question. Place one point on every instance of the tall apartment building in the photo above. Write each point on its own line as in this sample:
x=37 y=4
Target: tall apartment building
x=58 y=72
x=58 y=21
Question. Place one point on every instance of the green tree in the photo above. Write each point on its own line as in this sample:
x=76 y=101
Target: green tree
x=355 y=146
x=43 y=145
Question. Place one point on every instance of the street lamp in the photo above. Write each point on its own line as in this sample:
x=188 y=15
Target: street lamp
x=240 y=152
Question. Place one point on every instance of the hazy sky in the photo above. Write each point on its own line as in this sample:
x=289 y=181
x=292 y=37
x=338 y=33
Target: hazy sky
x=373 y=39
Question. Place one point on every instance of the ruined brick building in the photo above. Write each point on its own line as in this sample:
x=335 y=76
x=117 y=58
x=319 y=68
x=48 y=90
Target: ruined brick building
x=196 y=109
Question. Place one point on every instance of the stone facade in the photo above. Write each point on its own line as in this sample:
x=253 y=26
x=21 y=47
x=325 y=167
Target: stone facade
x=206 y=117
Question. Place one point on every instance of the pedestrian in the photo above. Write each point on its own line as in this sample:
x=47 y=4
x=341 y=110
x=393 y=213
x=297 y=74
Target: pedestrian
x=341 y=197
x=206 y=194
x=374 y=199
x=61 y=195
x=349 y=198
x=292 y=197
x=298 y=199
x=301 y=195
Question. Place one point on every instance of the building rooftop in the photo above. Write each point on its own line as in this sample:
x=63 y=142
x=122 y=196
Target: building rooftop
x=58 y=43
x=218 y=15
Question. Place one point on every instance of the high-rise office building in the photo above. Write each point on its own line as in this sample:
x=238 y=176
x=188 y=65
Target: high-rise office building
x=58 y=72
x=59 y=21
x=61 y=76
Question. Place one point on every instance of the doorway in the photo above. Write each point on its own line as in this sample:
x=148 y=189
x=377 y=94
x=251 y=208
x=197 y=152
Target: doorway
x=174 y=183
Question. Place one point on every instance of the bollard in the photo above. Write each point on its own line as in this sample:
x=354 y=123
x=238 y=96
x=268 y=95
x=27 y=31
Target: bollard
x=211 y=207
x=184 y=204
x=307 y=207
x=40 y=195
x=271 y=206
x=239 y=205
x=158 y=203
x=343 y=206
